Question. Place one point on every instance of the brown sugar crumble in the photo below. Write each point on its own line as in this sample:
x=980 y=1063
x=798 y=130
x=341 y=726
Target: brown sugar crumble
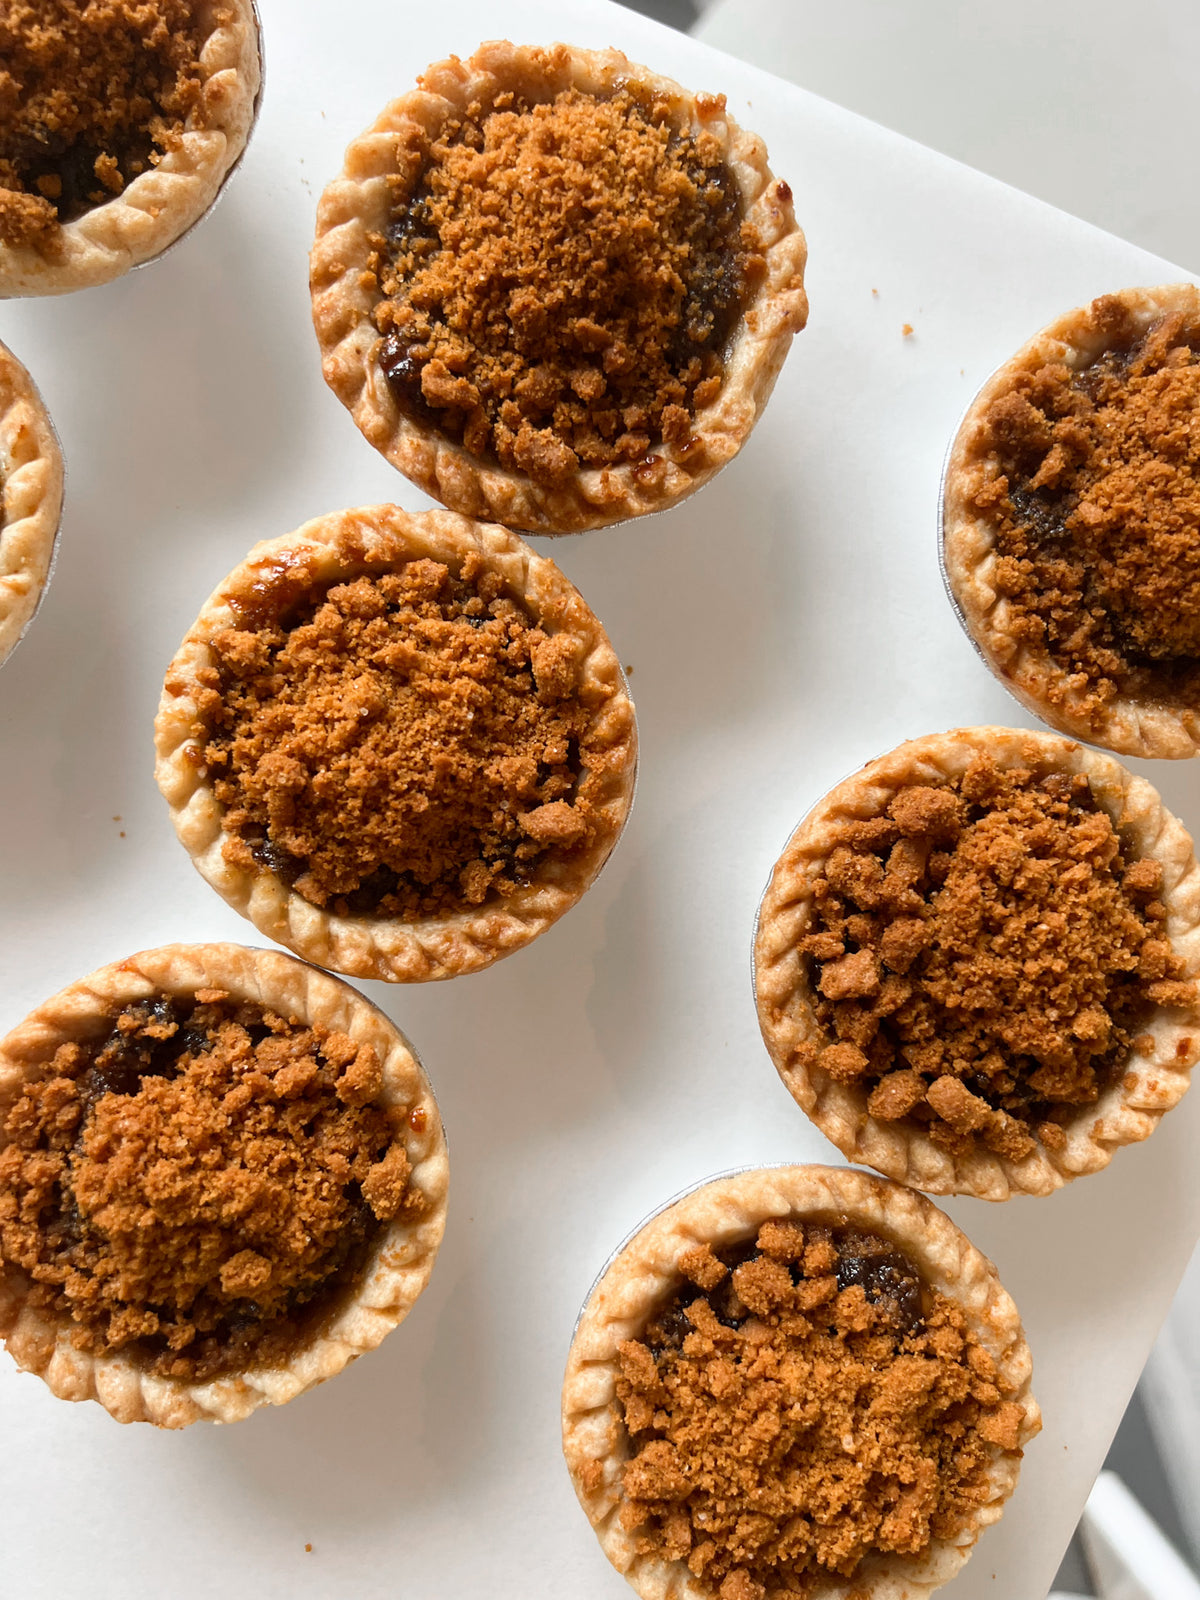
x=92 y=93
x=405 y=745
x=983 y=957
x=1097 y=513
x=197 y=1188
x=561 y=285
x=802 y=1402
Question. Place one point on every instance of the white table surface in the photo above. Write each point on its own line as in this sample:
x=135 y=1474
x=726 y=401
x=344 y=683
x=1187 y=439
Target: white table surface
x=783 y=627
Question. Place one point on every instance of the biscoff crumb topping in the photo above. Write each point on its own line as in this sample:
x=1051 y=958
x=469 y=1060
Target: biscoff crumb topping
x=1097 y=513
x=984 y=955
x=802 y=1402
x=403 y=745
x=562 y=283
x=92 y=93
x=196 y=1188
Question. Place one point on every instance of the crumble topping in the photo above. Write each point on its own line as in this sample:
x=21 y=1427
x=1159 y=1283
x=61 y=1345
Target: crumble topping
x=803 y=1402
x=92 y=93
x=406 y=745
x=1097 y=513
x=984 y=956
x=196 y=1187
x=561 y=285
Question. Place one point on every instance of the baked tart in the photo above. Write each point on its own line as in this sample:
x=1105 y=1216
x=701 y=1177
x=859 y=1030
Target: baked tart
x=400 y=744
x=1071 y=522
x=801 y=1381
x=555 y=289
x=976 y=962
x=121 y=121
x=31 y=493
x=222 y=1177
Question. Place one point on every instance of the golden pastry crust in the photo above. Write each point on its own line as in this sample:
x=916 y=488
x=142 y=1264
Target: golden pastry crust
x=400 y=1260
x=159 y=206
x=31 y=493
x=1126 y=725
x=336 y=548
x=355 y=209
x=723 y=1212
x=1128 y=1110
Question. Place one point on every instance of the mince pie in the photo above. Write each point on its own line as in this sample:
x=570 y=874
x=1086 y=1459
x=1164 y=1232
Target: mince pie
x=31 y=492
x=555 y=289
x=222 y=1177
x=120 y=122
x=1071 y=522
x=976 y=962
x=400 y=744
x=797 y=1381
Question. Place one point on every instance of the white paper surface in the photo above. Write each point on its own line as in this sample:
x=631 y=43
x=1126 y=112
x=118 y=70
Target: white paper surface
x=783 y=627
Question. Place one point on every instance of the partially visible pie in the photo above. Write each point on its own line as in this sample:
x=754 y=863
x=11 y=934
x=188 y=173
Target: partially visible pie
x=31 y=492
x=554 y=288
x=1071 y=522
x=119 y=122
x=798 y=1381
x=400 y=744
x=222 y=1177
x=976 y=962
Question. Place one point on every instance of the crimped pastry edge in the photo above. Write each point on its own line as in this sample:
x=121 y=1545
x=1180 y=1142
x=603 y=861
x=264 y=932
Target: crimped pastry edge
x=342 y=545
x=160 y=205
x=31 y=495
x=357 y=204
x=722 y=1212
x=400 y=1262
x=1127 y=1112
x=1128 y=726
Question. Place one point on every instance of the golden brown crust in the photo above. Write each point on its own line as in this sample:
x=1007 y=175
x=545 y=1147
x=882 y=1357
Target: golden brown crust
x=595 y=1441
x=1126 y=1112
x=31 y=492
x=357 y=205
x=1127 y=726
x=160 y=205
x=345 y=545
x=399 y=1263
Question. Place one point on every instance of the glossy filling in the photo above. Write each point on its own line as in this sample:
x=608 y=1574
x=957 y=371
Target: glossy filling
x=201 y=1188
x=404 y=745
x=98 y=92
x=984 y=956
x=802 y=1402
x=561 y=286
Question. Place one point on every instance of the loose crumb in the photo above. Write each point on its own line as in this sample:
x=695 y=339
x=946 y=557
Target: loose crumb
x=92 y=93
x=406 y=745
x=560 y=288
x=808 y=1404
x=906 y=330
x=186 y=1189
x=984 y=956
x=1097 y=514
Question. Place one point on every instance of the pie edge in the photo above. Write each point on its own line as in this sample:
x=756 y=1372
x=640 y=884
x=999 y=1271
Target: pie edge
x=31 y=498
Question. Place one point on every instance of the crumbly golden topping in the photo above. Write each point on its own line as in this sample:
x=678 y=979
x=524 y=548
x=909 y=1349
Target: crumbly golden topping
x=561 y=285
x=984 y=956
x=196 y=1188
x=810 y=1402
x=1097 y=513
x=406 y=745
x=92 y=92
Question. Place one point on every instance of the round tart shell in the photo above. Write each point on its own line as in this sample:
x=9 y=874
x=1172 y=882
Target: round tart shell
x=400 y=1261
x=725 y=1212
x=1126 y=1112
x=1130 y=727
x=31 y=494
x=355 y=210
x=334 y=549
x=161 y=205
